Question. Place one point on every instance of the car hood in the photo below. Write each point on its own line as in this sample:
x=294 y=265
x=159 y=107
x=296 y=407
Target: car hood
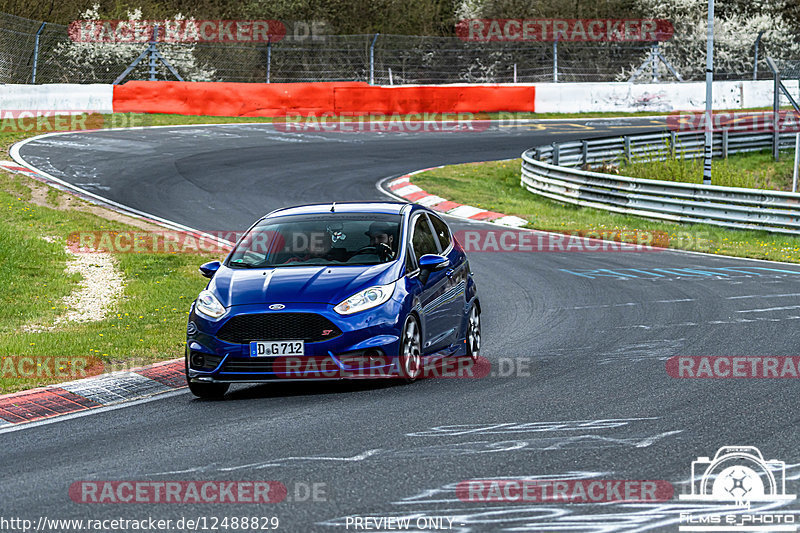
x=311 y=284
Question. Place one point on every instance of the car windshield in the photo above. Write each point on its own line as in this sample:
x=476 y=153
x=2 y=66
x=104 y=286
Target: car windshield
x=329 y=239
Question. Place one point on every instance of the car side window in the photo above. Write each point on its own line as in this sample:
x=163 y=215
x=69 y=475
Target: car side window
x=423 y=240
x=442 y=232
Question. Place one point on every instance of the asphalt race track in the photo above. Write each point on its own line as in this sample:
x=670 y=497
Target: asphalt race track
x=589 y=333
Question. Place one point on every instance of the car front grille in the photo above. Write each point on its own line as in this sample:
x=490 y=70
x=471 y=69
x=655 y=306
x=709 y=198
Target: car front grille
x=247 y=365
x=309 y=327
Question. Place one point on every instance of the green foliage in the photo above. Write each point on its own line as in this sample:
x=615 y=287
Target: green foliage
x=421 y=17
x=753 y=170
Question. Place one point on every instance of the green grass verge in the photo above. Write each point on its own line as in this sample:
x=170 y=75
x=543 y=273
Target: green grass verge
x=495 y=186
x=756 y=170
x=147 y=325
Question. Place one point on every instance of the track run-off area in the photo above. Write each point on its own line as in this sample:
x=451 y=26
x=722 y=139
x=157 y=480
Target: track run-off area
x=578 y=344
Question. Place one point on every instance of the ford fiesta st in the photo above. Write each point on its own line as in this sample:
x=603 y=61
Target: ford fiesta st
x=333 y=291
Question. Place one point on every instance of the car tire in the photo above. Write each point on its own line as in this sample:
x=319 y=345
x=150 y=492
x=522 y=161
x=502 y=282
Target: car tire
x=473 y=337
x=207 y=391
x=410 y=357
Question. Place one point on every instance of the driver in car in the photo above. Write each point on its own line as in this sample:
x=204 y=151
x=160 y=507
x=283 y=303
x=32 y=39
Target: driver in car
x=382 y=238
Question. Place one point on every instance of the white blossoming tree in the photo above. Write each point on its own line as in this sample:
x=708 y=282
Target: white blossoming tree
x=735 y=33
x=88 y=62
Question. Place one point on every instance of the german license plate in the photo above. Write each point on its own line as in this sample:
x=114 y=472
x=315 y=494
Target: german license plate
x=276 y=348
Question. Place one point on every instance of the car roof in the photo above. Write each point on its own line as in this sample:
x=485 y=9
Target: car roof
x=391 y=208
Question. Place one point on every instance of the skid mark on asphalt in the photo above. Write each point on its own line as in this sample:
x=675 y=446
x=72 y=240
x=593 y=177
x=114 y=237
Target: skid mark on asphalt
x=275 y=462
x=769 y=309
x=651 y=350
x=708 y=323
x=583 y=440
x=629 y=304
x=526 y=427
x=437 y=451
x=759 y=296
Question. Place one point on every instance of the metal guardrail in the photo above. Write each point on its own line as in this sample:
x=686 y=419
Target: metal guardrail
x=555 y=171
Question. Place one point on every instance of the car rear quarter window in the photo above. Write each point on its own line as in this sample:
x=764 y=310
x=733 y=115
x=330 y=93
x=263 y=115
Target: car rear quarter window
x=423 y=240
x=442 y=232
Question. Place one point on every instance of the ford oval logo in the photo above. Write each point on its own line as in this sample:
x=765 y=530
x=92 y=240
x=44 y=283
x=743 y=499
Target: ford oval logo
x=277 y=307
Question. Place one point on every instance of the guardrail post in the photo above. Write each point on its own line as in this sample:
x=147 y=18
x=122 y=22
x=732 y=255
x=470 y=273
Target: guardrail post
x=36 y=52
x=372 y=60
x=755 y=60
x=725 y=143
x=269 y=55
x=538 y=153
x=673 y=140
x=556 y=153
x=796 y=161
x=776 y=106
x=153 y=72
x=555 y=60
x=627 y=141
x=585 y=152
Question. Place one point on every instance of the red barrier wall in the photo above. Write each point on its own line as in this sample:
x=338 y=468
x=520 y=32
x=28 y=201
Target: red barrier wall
x=278 y=99
x=434 y=99
x=226 y=99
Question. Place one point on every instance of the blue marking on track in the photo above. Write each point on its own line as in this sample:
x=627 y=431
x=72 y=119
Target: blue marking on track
x=671 y=273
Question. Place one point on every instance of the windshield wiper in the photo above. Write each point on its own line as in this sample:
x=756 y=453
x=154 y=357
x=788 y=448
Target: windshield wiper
x=233 y=264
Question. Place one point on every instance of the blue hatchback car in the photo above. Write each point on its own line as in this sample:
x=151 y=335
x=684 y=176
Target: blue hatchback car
x=333 y=291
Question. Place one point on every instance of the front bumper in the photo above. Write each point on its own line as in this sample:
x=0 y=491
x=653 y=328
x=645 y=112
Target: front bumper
x=366 y=348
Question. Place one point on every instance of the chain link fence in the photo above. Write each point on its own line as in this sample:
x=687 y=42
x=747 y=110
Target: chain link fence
x=31 y=51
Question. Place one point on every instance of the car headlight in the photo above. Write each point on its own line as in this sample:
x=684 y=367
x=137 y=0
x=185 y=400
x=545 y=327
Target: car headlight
x=208 y=305
x=366 y=299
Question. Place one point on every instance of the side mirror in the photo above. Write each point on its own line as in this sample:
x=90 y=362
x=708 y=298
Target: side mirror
x=431 y=263
x=209 y=269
